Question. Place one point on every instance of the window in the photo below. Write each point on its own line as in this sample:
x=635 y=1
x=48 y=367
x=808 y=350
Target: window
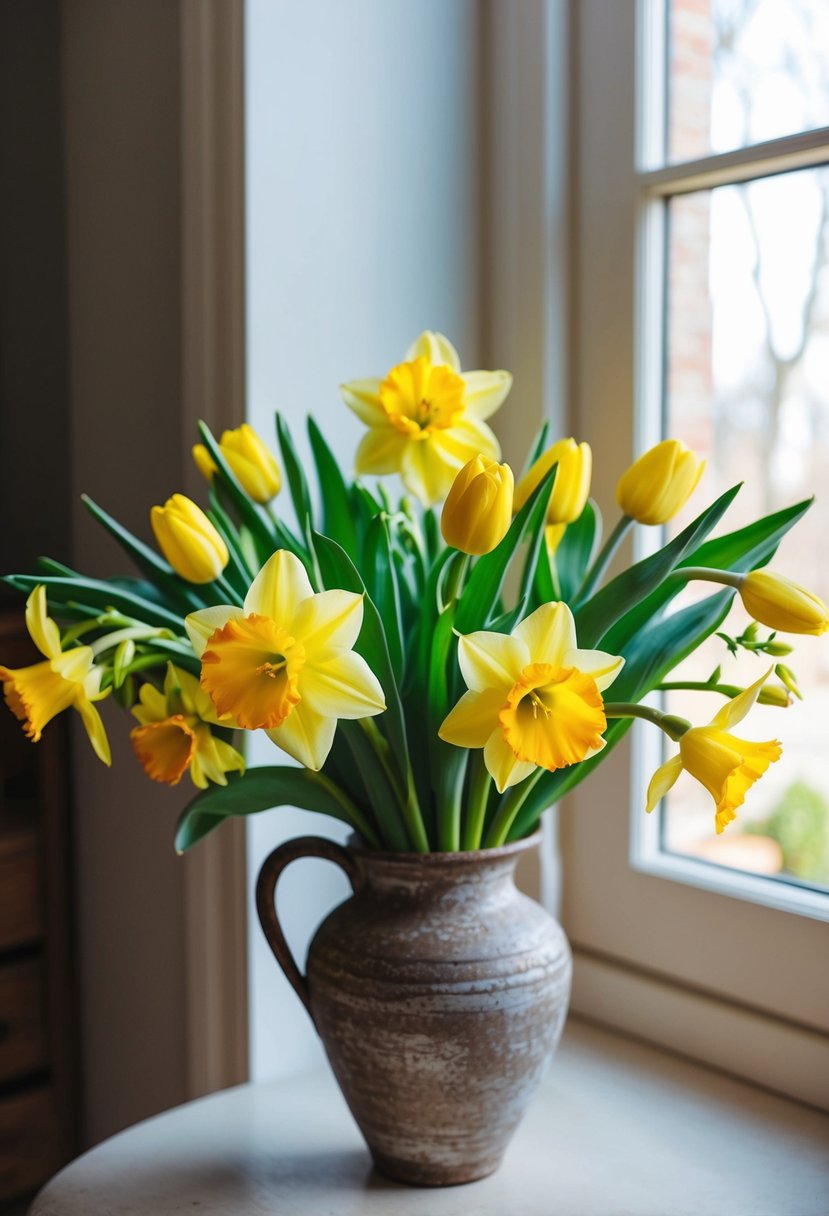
x=690 y=213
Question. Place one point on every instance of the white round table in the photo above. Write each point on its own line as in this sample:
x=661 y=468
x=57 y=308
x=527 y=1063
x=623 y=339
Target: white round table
x=617 y=1128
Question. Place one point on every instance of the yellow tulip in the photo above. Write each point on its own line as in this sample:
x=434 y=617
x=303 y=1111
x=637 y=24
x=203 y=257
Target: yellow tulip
x=478 y=509
x=67 y=679
x=188 y=540
x=174 y=735
x=572 y=484
x=659 y=483
x=284 y=662
x=725 y=765
x=427 y=418
x=251 y=461
x=534 y=698
x=779 y=603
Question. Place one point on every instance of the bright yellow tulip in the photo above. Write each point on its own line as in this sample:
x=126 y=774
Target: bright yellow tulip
x=38 y=693
x=725 y=765
x=781 y=604
x=250 y=459
x=534 y=698
x=174 y=736
x=427 y=418
x=284 y=661
x=659 y=483
x=478 y=508
x=188 y=540
x=572 y=484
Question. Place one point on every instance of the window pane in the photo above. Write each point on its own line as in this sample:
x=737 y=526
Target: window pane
x=748 y=386
x=743 y=71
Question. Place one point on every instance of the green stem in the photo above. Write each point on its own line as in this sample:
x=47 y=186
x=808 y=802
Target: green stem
x=455 y=577
x=726 y=577
x=407 y=795
x=556 y=581
x=511 y=804
x=355 y=816
x=476 y=805
x=673 y=726
x=384 y=797
x=136 y=632
x=449 y=796
x=604 y=558
x=727 y=690
x=233 y=595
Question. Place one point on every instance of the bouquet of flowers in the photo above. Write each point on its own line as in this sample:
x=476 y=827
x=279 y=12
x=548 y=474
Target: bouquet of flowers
x=437 y=680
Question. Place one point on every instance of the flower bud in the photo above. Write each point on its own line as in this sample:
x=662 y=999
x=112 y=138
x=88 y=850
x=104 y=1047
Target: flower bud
x=251 y=462
x=789 y=679
x=572 y=484
x=188 y=540
x=774 y=694
x=478 y=507
x=779 y=603
x=659 y=483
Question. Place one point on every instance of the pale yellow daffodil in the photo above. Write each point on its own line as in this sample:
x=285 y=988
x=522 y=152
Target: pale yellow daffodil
x=284 y=662
x=534 y=698
x=426 y=419
x=174 y=736
x=66 y=679
x=725 y=765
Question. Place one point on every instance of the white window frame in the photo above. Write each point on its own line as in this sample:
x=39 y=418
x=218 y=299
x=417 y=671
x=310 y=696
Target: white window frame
x=659 y=953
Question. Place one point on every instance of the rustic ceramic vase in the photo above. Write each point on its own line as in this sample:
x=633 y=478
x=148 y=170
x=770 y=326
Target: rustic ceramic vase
x=439 y=991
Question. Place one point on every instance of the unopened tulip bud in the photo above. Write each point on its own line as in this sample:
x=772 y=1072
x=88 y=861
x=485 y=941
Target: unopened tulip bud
x=478 y=507
x=251 y=462
x=572 y=483
x=779 y=603
x=659 y=483
x=188 y=540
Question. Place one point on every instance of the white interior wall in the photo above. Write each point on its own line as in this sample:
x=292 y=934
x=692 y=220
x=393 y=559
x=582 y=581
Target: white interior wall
x=363 y=198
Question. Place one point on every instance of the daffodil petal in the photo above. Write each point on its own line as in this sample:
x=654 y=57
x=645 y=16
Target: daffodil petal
x=42 y=629
x=473 y=719
x=279 y=588
x=466 y=438
x=485 y=392
x=363 y=397
x=662 y=780
x=549 y=634
x=380 y=451
x=152 y=705
x=603 y=668
x=203 y=624
x=425 y=471
x=344 y=687
x=491 y=660
x=74 y=664
x=328 y=622
x=94 y=728
x=502 y=764
x=736 y=709
x=436 y=348
x=305 y=735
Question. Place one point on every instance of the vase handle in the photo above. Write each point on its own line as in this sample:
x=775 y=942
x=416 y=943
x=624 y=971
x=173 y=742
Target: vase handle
x=272 y=867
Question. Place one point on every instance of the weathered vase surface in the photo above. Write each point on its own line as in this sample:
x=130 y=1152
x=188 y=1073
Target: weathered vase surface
x=439 y=991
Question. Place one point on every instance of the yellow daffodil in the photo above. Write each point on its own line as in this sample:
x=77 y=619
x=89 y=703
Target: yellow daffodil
x=284 y=661
x=38 y=693
x=250 y=459
x=659 y=483
x=478 y=509
x=725 y=765
x=174 y=736
x=427 y=418
x=781 y=604
x=572 y=484
x=188 y=540
x=534 y=698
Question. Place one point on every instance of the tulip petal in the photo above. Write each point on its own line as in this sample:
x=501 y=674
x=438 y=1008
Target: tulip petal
x=328 y=622
x=436 y=348
x=491 y=660
x=203 y=624
x=549 y=634
x=279 y=588
x=305 y=735
x=42 y=629
x=344 y=687
x=363 y=398
x=736 y=709
x=473 y=719
x=502 y=764
x=662 y=780
x=485 y=392
x=95 y=729
x=601 y=667
x=380 y=451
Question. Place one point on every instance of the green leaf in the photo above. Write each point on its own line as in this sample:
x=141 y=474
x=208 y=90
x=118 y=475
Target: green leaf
x=297 y=484
x=539 y=447
x=259 y=789
x=100 y=595
x=595 y=618
x=337 y=520
x=381 y=582
x=577 y=550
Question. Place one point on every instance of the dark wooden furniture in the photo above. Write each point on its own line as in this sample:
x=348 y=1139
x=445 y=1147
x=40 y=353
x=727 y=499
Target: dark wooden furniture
x=37 y=1084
